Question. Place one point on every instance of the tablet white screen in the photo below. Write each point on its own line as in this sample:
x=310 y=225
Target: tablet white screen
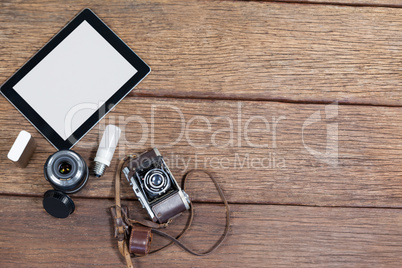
x=75 y=79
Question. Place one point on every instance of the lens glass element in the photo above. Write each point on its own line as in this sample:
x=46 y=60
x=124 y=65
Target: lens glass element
x=156 y=180
x=64 y=167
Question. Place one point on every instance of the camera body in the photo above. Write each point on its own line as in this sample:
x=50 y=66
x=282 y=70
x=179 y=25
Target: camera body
x=155 y=186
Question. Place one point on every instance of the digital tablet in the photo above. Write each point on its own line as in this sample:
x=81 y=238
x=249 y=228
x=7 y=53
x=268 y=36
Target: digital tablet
x=74 y=80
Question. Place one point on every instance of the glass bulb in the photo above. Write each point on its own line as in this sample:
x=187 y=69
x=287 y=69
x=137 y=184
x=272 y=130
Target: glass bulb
x=106 y=149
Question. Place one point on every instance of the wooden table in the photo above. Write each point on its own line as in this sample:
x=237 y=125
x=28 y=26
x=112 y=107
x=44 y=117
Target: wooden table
x=294 y=106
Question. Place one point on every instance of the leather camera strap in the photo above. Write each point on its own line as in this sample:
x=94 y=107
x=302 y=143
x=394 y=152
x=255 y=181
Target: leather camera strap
x=120 y=229
x=122 y=221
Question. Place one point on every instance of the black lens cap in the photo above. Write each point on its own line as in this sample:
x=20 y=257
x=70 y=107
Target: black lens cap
x=58 y=204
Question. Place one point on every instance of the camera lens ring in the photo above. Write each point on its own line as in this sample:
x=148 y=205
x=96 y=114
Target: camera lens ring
x=72 y=181
x=68 y=159
x=151 y=187
x=64 y=167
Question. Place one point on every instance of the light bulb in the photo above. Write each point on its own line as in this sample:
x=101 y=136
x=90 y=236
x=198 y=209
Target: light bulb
x=106 y=149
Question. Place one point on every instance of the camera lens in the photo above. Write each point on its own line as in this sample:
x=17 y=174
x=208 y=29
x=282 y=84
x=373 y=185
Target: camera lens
x=65 y=168
x=66 y=171
x=156 y=180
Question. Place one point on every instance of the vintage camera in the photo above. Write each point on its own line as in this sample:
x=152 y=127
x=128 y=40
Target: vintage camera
x=155 y=186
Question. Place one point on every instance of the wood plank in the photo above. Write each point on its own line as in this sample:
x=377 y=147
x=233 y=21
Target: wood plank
x=368 y=3
x=260 y=236
x=366 y=173
x=234 y=49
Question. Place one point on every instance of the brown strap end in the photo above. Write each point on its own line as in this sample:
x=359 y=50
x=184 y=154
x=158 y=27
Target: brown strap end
x=140 y=240
x=119 y=225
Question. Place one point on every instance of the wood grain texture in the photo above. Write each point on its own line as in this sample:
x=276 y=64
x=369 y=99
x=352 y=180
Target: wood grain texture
x=268 y=236
x=201 y=51
x=368 y=3
x=367 y=172
x=240 y=50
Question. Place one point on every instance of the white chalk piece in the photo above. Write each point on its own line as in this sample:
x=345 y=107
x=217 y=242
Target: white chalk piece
x=22 y=149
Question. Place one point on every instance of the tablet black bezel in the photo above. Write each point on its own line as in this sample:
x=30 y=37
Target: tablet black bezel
x=36 y=120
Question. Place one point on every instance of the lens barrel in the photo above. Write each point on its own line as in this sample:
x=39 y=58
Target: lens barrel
x=66 y=171
x=156 y=182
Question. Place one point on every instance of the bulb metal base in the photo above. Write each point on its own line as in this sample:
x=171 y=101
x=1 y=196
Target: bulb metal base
x=99 y=169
